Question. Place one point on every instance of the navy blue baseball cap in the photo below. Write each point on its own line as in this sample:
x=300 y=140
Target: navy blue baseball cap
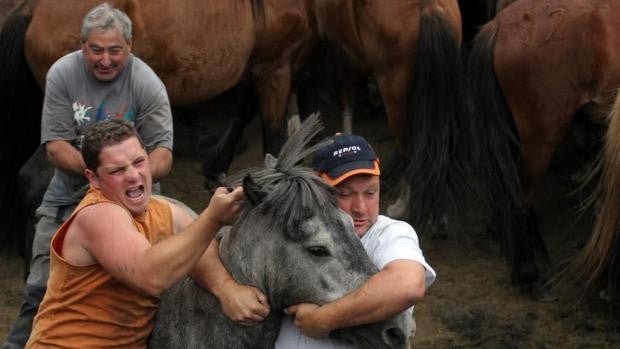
x=346 y=156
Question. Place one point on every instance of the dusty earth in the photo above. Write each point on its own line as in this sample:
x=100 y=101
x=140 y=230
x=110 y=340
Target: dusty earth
x=471 y=305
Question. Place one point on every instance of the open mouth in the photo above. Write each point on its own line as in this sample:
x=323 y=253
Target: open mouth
x=135 y=193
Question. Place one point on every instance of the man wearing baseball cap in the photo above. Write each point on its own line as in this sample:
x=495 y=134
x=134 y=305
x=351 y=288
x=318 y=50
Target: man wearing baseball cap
x=351 y=165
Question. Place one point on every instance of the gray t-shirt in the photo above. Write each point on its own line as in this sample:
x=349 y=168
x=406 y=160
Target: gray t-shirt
x=75 y=100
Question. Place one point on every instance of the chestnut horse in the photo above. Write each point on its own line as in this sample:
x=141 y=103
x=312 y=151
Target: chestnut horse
x=411 y=49
x=198 y=49
x=531 y=69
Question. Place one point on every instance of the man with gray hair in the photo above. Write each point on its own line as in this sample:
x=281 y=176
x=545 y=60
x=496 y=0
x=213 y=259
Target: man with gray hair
x=101 y=81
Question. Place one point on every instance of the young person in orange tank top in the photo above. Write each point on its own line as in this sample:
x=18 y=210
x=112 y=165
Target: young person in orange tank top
x=118 y=251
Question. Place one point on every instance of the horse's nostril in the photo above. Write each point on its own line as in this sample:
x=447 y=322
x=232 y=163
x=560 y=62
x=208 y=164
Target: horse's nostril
x=394 y=337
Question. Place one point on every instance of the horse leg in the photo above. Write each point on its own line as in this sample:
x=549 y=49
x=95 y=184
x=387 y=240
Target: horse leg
x=529 y=245
x=33 y=178
x=273 y=88
x=398 y=209
x=347 y=99
x=393 y=87
x=217 y=159
x=292 y=113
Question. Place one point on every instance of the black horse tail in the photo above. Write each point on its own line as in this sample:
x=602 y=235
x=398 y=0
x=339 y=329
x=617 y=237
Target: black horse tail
x=433 y=170
x=494 y=153
x=20 y=102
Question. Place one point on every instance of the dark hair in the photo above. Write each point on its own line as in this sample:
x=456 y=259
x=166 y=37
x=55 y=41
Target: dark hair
x=103 y=134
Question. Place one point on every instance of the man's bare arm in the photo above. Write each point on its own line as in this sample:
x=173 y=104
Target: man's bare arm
x=129 y=257
x=399 y=285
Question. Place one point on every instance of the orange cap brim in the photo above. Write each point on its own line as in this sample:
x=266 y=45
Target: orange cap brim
x=335 y=181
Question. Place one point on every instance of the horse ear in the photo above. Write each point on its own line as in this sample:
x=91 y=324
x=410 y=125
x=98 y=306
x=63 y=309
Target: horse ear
x=270 y=161
x=252 y=191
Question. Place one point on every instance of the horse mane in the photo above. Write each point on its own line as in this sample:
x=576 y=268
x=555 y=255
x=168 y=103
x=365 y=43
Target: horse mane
x=293 y=191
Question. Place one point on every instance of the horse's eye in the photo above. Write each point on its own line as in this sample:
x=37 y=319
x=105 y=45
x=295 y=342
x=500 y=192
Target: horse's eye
x=318 y=251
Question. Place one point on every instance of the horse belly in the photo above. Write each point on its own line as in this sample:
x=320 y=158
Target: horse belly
x=53 y=32
x=200 y=49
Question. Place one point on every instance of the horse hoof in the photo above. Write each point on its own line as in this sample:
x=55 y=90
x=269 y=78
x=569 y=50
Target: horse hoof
x=397 y=210
x=539 y=292
x=605 y=295
x=543 y=295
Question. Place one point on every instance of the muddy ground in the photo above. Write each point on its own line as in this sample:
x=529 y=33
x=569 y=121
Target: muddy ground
x=471 y=305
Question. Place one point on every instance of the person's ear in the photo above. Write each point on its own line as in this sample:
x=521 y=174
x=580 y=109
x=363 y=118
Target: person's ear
x=92 y=178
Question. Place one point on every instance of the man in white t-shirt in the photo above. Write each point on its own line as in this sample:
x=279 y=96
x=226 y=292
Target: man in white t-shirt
x=350 y=164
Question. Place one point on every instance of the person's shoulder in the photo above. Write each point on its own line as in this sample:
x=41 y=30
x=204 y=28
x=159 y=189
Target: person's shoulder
x=385 y=222
x=67 y=62
x=140 y=67
x=164 y=205
x=143 y=77
x=100 y=211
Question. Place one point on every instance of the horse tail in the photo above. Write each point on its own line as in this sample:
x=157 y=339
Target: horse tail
x=435 y=175
x=599 y=258
x=494 y=150
x=20 y=101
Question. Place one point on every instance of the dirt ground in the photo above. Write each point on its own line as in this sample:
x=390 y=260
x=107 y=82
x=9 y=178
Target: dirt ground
x=471 y=305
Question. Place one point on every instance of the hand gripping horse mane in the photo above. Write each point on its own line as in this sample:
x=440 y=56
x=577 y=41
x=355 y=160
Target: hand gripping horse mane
x=292 y=242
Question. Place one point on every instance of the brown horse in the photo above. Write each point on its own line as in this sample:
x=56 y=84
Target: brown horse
x=198 y=49
x=411 y=49
x=531 y=68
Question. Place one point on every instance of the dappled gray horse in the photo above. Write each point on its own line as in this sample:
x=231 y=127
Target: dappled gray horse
x=293 y=243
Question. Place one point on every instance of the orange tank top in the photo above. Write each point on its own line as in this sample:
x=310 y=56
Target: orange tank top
x=84 y=306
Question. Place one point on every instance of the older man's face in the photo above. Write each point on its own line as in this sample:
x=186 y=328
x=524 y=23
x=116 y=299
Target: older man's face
x=106 y=53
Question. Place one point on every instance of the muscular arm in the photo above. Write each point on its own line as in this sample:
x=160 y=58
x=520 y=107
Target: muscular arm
x=246 y=305
x=130 y=258
x=399 y=285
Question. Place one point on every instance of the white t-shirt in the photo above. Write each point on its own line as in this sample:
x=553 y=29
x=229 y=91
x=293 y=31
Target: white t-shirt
x=387 y=240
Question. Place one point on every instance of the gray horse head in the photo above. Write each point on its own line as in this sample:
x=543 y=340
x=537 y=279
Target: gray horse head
x=292 y=242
